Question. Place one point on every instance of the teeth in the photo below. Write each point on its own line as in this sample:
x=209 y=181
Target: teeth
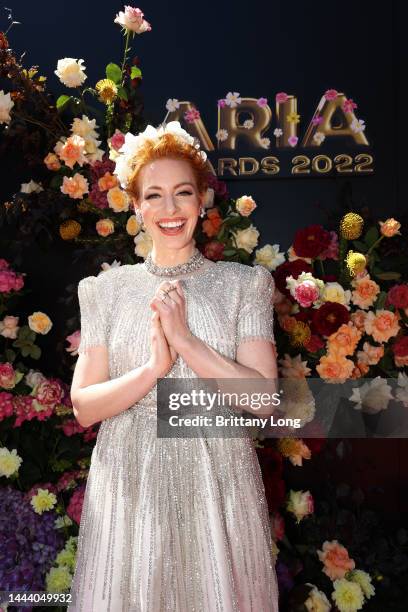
x=172 y=224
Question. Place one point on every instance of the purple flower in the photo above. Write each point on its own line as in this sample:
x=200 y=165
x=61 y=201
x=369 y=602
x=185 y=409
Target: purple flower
x=29 y=543
x=221 y=103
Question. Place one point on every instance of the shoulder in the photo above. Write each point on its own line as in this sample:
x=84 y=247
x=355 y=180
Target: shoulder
x=105 y=281
x=256 y=274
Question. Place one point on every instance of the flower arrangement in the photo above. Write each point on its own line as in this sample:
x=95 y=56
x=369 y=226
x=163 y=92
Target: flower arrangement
x=44 y=453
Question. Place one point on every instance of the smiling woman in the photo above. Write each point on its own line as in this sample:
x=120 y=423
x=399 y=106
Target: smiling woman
x=161 y=515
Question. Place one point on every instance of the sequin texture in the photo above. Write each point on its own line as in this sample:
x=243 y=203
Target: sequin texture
x=173 y=524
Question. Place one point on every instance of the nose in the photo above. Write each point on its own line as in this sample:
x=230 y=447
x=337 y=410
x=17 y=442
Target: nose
x=170 y=204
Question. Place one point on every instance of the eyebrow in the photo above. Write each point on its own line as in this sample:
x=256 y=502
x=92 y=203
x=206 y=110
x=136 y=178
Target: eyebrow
x=175 y=186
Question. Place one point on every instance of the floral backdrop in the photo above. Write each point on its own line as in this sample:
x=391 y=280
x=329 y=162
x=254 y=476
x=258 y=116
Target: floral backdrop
x=341 y=313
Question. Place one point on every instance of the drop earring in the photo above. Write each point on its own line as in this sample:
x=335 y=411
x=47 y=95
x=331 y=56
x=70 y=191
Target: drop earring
x=138 y=216
x=202 y=211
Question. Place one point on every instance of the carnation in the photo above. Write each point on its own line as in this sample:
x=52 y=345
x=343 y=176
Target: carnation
x=335 y=559
x=347 y=595
x=373 y=396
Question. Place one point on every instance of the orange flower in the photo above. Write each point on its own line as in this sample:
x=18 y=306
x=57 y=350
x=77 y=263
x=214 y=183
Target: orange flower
x=344 y=341
x=335 y=368
x=294 y=449
x=390 y=227
x=358 y=318
x=382 y=325
x=370 y=354
x=107 y=181
x=213 y=223
x=335 y=559
x=365 y=292
x=363 y=367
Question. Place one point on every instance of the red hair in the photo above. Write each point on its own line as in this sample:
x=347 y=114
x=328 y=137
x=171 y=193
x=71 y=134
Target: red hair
x=170 y=147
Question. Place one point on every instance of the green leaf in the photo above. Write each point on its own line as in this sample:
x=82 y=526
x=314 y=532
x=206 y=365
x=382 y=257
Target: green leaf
x=122 y=93
x=371 y=236
x=229 y=252
x=360 y=246
x=379 y=305
x=113 y=72
x=135 y=72
x=62 y=101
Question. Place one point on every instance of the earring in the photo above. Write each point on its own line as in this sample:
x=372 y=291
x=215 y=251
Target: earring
x=202 y=211
x=138 y=216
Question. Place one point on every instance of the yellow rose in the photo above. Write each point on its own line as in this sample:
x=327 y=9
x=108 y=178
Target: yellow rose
x=39 y=322
x=334 y=292
x=118 y=199
x=245 y=205
x=133 y=226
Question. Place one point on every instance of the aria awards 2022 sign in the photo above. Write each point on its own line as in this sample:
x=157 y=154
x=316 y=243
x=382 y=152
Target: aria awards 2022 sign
x=251 y=142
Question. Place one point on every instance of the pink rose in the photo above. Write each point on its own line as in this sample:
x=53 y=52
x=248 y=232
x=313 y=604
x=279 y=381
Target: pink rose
x=281 y=97
x=331 y=94
x=306 y=293
x=132 y=20
x=9 y=327
x=262 y=102
x=7 y=376
x=10 y=281
x=117 y=140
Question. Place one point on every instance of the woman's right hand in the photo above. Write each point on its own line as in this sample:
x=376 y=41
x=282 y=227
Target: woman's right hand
x=162 y=355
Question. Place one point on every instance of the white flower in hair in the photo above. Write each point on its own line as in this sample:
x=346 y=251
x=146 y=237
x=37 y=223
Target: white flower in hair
x=133 y=143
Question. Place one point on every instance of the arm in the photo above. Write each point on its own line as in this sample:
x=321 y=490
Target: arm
x=95 y=398
x=94 y=395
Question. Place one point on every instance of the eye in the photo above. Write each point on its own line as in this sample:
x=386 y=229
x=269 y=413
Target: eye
x=152 y=195
x=187 y=192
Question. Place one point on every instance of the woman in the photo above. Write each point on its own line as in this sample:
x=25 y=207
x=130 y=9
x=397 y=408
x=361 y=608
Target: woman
x=170 y=524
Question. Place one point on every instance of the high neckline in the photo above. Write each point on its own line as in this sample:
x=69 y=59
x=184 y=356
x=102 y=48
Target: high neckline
x=195 y=262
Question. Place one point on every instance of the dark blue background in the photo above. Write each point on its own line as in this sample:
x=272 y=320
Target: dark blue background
x=199 y=52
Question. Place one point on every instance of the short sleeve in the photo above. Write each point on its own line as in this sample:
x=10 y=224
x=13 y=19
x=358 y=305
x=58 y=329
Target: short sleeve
x=255 y=318
x=93 y=328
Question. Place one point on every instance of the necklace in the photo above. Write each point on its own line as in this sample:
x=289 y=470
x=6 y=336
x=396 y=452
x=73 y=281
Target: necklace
x=195 y=261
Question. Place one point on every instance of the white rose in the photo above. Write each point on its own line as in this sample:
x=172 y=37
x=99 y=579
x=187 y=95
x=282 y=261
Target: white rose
x=247 y=239
x=132 y=20
x=269 y=256
x=317 y=600
x=70 y=72
x=6 y=104
x=34 y=378
x=31 y=187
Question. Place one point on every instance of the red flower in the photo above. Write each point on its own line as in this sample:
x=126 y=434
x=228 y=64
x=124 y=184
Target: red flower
x=214 y=250
x=289 y=268
x=328 y=318
x=311 y=241
x=398 y=296
x=315 y=344
x=400 y=347
x=271 y=463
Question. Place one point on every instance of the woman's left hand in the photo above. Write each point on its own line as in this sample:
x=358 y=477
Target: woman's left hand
x=172 y=311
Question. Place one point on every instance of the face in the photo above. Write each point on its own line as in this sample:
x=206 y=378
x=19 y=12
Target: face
x=168 y=194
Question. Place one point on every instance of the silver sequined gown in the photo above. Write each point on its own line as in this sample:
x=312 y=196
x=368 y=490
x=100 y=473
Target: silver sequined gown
x=173 y=524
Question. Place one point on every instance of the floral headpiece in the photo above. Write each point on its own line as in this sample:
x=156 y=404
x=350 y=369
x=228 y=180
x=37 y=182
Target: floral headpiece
x=133 y=143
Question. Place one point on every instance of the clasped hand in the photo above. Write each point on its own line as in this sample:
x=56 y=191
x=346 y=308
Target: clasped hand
x=169 y=324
